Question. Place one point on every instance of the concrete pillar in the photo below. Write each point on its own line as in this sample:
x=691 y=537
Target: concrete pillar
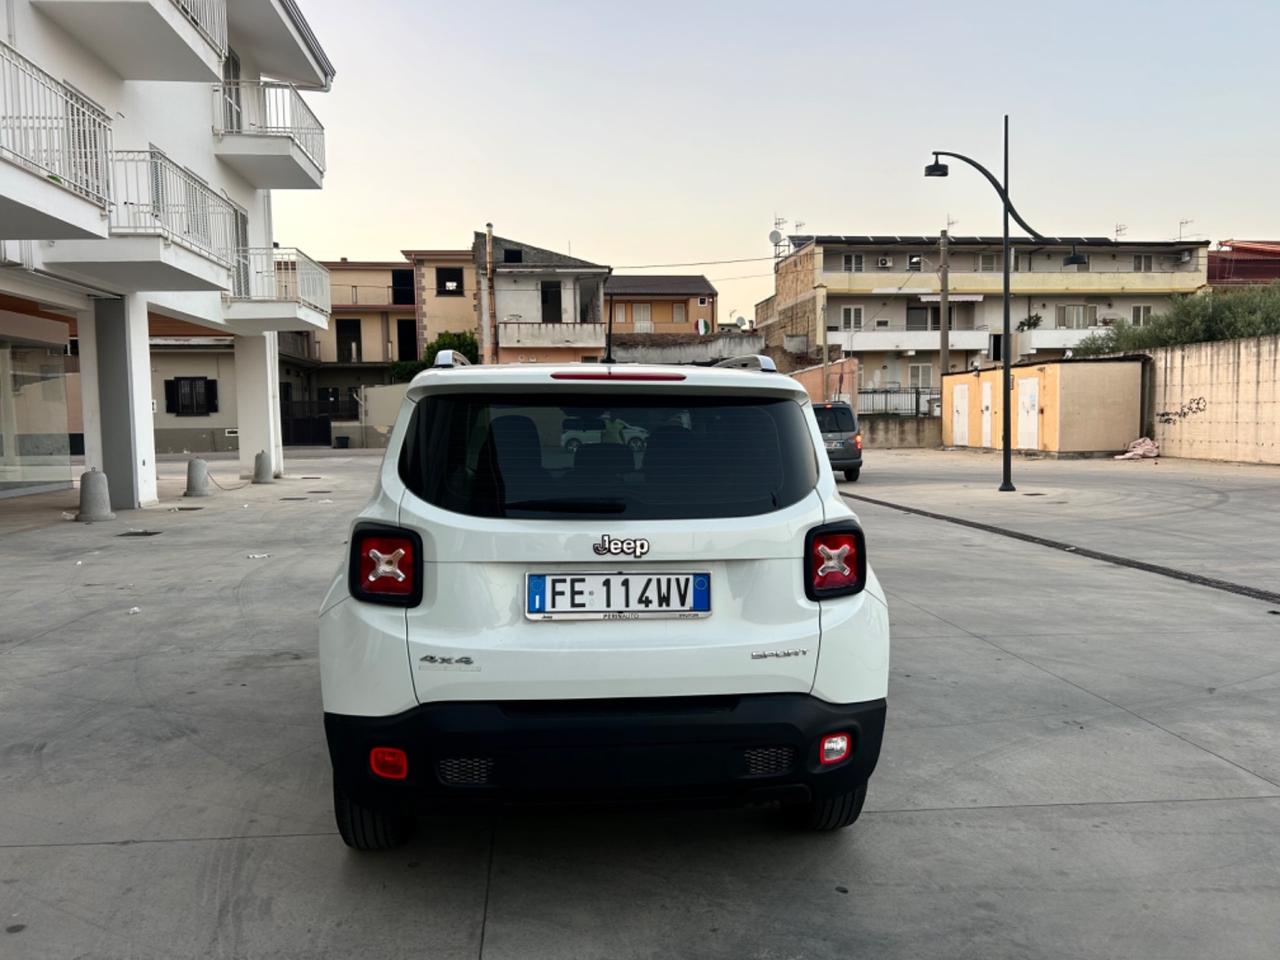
x=90 y=409
x=127 y=423
x=258 y=401
x=8 y=411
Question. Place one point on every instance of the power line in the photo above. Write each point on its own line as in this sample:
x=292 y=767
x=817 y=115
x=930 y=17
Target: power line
x=745 y=276
x=694 y=263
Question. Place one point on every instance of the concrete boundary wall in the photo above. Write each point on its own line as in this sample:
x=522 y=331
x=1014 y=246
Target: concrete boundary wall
x=1217 y=401
x=890 y=432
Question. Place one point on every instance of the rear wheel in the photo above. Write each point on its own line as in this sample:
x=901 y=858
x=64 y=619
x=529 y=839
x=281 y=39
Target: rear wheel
x=831 y=813
x=572 y=445
x=364 y=828
x=852 y=475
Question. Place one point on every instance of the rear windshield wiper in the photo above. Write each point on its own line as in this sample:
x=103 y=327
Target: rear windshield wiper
x=569 y=505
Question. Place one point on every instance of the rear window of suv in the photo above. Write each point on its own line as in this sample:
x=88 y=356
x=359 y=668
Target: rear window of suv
x=634 y=457
x=835 y=419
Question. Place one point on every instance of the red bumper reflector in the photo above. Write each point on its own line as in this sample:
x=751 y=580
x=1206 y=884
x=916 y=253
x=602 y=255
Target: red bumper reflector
x=834 y=748
x=390 y=763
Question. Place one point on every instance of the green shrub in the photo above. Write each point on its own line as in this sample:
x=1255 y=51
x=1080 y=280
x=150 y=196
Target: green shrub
x=1195 y=318
x=465 y=343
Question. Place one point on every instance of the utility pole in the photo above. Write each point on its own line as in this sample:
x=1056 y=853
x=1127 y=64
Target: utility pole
x=944 y=324
x=820 y=308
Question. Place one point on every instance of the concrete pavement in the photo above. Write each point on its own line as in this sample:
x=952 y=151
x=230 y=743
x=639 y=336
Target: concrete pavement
x=1081 y=759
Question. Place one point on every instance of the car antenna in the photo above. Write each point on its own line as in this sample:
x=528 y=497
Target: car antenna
x=608 y=336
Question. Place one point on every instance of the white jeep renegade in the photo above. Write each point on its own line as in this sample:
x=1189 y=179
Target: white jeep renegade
x=691 y=619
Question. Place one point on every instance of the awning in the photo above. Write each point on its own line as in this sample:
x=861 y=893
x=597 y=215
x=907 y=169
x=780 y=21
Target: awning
x=952 y=298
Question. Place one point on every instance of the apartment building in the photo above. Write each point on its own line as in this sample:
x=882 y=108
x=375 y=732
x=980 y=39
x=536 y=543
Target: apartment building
x=877 y=298
x=140 y=141
x=536 y=305
x=661 y=304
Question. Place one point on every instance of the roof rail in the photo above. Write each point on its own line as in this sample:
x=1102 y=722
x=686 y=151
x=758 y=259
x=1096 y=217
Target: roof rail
x=451 y=358
x=752 y=361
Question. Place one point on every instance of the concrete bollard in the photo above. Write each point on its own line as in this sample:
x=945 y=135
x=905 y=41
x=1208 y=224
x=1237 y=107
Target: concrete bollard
x=261 y=467
x=95 y=497
x=197 y=478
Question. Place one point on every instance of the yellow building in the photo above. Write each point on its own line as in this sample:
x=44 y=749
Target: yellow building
x=445 y=281
x=1072 y=407
x=661 y=304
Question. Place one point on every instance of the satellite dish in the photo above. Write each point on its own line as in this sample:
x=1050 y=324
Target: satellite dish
x=775 y=236
x=742 y=323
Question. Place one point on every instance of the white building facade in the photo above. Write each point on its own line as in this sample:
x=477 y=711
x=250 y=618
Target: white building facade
x=877 y=298
x=536 y=305
x=140 y=141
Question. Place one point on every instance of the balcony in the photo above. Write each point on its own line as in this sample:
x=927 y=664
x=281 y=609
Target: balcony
x=278 y=288
x=275 y=36
x=148 y=39
x=268 y=134
x=54 y=146
x=898 y=338
x=355 y=296
x=1022 y=283
x=521 y=333
x=1053 y=338
x=298 y=346
x=168 y=230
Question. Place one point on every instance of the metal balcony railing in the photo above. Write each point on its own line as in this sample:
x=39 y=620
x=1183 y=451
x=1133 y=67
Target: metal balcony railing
x=882 y=325
x=18 y=253
x=51 y=130
x=266 y=109
x=153 y=196
x=210 y=18
x=300 y=345
x=280 y=273
x=372 y=295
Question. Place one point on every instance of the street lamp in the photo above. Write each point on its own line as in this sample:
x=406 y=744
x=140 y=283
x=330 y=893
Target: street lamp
x=940 y=169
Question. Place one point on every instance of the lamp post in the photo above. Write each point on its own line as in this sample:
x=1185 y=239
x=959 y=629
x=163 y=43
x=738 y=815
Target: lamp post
x=939 y=169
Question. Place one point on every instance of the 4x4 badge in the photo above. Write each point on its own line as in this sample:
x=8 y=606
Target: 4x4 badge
x=616 y=546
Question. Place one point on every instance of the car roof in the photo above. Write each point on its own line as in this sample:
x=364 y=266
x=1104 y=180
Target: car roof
x=601 y=377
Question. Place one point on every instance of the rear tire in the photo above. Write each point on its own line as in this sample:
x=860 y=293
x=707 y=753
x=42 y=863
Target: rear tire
x=831 y=813
x=572 y=446
x=364 y=828
x=852 y=475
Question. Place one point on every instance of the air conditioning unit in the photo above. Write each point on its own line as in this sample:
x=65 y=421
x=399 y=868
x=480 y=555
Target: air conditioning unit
x=884 y=263
x=1184 y=257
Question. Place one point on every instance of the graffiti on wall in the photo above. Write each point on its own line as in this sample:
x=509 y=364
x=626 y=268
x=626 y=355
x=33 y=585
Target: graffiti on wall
x=1191 y=408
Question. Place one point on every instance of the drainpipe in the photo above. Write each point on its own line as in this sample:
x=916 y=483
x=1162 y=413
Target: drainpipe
x=493 y=307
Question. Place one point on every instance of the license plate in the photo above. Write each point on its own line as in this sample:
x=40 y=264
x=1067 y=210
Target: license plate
x=834 y=444
x=617 y=596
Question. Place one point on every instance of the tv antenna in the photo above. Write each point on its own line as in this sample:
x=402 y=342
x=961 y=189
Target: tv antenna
x=950 y=223
x=1181 y=224
x=778 y=238
x=1121 y=230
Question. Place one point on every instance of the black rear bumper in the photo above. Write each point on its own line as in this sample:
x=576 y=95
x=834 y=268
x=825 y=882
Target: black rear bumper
x=737 y=748
x=844 y=459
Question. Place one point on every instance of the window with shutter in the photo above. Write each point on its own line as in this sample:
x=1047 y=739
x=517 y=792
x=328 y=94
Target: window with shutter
x=191 y=396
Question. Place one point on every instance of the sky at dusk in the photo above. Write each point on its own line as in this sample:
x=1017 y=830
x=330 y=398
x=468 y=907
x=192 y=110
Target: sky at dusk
x=655 y=133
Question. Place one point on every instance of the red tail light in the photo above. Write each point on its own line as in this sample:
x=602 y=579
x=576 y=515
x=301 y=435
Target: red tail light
x=390 y=763
x=835 y=561
x=386 y=566
x=608 y=374
x=857 y=440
